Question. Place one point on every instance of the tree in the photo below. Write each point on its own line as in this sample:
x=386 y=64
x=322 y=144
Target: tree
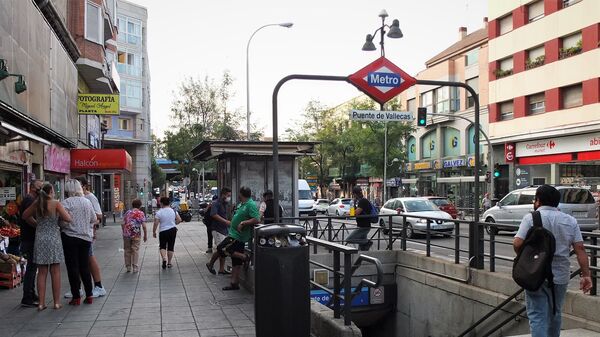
x=158 y=176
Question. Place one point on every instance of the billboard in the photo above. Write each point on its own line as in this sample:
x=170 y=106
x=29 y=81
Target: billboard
x=98 y=104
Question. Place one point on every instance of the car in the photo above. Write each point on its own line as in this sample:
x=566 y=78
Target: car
x=320 y=206
x=414 y=206
x=444 y=204
x=339 y=207
x=305 y=199
x=575 y=201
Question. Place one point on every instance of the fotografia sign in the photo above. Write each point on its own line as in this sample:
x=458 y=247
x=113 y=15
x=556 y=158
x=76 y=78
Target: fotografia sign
x=381 y=116
x=98 y=104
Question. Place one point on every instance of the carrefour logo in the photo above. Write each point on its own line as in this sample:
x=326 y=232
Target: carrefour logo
x=384 y=79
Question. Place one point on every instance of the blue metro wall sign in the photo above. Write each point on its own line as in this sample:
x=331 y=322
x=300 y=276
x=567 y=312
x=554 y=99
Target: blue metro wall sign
x=381 y=80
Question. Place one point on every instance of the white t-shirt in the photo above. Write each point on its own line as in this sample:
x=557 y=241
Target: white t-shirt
x=166 y=217
x=92 y=198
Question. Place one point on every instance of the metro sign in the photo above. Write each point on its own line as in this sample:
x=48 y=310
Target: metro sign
x=382 y=80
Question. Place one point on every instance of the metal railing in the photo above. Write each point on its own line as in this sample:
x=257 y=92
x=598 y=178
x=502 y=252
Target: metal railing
x=342 y=280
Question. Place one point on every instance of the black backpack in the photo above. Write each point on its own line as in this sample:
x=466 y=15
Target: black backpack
x=207 y=219
x=533 y=264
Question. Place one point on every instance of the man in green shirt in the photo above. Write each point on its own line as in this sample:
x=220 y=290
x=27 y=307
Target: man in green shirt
x=240 y=232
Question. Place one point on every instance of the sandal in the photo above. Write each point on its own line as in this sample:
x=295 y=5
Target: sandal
x=169 y=265
x=232 y=287
x=164 y=264
x=225 y=272
x=42 y=307
x=57 y=306
x=211 y=269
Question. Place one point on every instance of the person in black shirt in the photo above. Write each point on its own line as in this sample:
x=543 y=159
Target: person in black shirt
x=30 y=299
x=267 y=211
x=220 y=224
x=362 y=206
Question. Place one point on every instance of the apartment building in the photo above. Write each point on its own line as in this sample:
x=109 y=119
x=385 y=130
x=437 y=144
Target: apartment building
x=441 y=155
x=544 y=91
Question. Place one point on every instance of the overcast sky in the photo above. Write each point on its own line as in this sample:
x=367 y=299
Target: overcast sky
x=201 y=37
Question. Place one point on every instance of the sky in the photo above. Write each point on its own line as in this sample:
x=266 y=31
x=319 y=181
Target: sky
x=201 y=38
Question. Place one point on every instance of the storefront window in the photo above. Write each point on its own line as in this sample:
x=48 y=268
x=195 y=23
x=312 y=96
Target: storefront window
x=412 y=149
x=451 y=142
x=428 y=146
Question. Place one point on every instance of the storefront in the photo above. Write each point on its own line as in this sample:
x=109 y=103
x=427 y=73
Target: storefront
x=57 y=162
x=572 y=160
x=109 y=165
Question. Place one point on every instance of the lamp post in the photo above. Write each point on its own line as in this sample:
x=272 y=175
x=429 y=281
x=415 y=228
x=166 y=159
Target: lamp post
x=393 y=33
x=284 y=24
x=385 y=186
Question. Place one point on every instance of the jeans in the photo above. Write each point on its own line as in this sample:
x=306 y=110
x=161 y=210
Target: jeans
x=209 y=236
x=131 y=246
x=29 y=278
x=359 y=236
x=542 y=321
x=77 y=260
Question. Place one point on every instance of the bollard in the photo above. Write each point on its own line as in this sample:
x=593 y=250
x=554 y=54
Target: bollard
x=281 y=281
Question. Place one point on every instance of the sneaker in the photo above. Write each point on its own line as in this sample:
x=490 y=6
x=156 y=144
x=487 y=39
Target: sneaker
x=98 y=292
x=29 y=303
x=68 y=294
x=209 y=251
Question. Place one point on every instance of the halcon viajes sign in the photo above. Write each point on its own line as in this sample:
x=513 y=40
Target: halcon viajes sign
x=569 y=144
x=98 y=104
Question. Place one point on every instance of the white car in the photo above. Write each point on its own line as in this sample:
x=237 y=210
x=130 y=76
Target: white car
x=339 y=207
x=414 y=206
x=320 y=206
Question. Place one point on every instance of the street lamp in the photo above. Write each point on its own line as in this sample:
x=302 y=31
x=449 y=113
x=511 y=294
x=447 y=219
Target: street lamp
x=395 y=160
x=284 y=24
x=393 y=33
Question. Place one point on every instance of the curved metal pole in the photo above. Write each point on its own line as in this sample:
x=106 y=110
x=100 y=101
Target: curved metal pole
x=275 y=132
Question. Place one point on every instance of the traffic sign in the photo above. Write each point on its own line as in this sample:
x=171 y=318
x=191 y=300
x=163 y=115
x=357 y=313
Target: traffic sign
x=382 y=80
x=381 y=116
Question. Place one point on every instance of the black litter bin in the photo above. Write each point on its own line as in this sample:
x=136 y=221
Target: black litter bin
x=281 y=281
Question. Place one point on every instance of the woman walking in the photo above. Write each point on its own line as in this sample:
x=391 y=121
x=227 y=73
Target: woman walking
x=167 y=220
x=44 y=215
x=133 y=223
x=77 y=236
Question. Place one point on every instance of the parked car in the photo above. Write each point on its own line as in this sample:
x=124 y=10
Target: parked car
x=575 y=201
x=445 y=205
x=339 y=207
x=415 y=206
x=305 y=199
x=320 y=206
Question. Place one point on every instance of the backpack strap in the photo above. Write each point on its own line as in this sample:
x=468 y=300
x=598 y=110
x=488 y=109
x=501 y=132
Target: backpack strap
x=537 y=219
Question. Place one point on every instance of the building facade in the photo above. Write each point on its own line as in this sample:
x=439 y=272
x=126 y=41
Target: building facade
x=441 y=155
x=131 y=129
x=544 y=92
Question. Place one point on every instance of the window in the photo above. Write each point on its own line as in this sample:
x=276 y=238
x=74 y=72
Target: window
x=535 y=57
x=446 y=99
x=505 y=67
x=131 y=93
x=472 y=57
x=428 y=145
x=526 y=197
x=411 y=146
x=427 y=101
x=539 y=181
x=535 y=10
x=506 y=24
x=130 y=30
x=506 y=110
x=570 y=45
x=510 y=199
x=130 y=64
x=567 y=3
x=93 y=23
x=537 y=103
x=411 y=105
x=571 y=96
x=125 y=124
x=473 y=83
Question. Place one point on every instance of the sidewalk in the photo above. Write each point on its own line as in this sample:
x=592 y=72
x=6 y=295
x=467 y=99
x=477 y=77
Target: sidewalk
x=183 y=301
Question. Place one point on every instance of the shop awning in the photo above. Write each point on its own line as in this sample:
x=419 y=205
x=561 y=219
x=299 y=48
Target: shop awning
x=100 y=160
x=24 y=133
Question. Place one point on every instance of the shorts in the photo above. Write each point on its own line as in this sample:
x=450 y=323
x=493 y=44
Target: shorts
x=218 y=237
x=166 y=239
x=229 y=246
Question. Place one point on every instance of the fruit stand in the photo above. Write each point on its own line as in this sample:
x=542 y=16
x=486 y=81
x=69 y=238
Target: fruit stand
x=11 y=265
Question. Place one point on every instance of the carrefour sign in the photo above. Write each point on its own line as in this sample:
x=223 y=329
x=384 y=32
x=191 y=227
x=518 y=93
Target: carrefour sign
x=579 y=143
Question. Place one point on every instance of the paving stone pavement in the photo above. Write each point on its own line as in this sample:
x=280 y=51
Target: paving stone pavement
x=183 y=301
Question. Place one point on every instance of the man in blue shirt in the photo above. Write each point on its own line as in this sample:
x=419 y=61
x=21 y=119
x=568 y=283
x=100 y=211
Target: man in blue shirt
x=220 y=224
x=543 y=322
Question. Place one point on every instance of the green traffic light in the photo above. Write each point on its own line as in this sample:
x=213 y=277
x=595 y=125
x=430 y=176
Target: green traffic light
x=496 y=174
x=421 y=121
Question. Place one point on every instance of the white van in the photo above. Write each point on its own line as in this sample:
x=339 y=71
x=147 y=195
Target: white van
x=305 y=199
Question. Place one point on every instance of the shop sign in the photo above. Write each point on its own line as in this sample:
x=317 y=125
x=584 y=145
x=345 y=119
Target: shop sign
x=509 y=152
x=394 y=182
x=15 y=152
x=570 y=144
x=98 y=104
x=312 y=182
x=409 y=167
x=522 y=176
x=437 y=164
x=57 y=159
x=422 y=166
x=100 y=159
x=362 y=182
x=7 y=194
x=117 y=190
x=454 y=163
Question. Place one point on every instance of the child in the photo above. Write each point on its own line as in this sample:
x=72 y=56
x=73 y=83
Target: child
x=133 y=223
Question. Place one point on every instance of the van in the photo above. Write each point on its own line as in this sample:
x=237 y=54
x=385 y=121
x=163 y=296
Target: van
x=305 y=199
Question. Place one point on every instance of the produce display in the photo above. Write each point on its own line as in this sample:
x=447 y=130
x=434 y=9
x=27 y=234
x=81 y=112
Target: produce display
x=10 y=231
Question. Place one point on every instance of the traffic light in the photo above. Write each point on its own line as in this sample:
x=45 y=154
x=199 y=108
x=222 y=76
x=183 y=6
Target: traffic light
x=422 y=117
x=497 y=172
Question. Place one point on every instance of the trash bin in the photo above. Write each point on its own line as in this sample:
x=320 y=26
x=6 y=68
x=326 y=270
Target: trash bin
x=281 y=281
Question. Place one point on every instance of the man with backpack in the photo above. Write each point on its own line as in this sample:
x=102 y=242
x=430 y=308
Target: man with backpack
x=544 y=304
x=362 y=206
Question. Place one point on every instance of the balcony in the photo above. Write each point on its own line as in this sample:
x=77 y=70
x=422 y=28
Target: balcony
x=101 y=77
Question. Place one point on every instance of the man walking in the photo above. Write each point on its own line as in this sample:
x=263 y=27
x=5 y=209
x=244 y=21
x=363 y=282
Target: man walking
x=219 y=223
x=240 y=232
x=30 y=299
x=543 y=320
x=362 y=206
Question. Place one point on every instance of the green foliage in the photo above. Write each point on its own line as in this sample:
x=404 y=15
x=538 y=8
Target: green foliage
x=158 y=176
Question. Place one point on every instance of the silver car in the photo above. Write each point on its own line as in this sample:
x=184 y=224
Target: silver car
x=339 y=207
x=414 y=206
x=320 y=206
x=575 y=201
